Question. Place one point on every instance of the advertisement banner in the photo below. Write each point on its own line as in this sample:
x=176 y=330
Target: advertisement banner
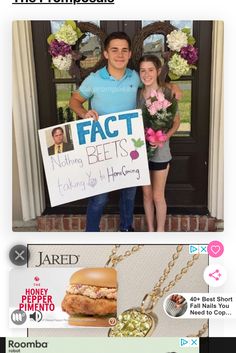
x=63 y=298
x=101 y=345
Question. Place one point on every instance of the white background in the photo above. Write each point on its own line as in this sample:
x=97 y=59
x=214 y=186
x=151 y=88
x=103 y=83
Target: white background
x=130 y=10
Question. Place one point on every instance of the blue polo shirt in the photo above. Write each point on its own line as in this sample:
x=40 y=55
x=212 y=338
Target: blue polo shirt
x=108 y=95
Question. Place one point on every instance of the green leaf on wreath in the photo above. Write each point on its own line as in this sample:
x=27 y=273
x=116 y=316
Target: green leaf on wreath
x=186 y=30
x=193 y=67
x=79 y=33
x=173 y=76
x=71 y=23
x=191 y=40
x=50 y=38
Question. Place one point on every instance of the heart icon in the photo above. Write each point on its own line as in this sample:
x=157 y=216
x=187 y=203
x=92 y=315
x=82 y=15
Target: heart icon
x=215 y=249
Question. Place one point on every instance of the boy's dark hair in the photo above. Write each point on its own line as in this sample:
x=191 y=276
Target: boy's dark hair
x=117 y=35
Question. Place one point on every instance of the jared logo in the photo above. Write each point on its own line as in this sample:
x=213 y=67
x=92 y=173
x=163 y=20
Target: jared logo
x=63 y=259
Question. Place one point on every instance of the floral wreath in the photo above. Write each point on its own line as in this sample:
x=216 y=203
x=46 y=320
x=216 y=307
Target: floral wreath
x=182 y=55
x=178 y=60
x=62 y=48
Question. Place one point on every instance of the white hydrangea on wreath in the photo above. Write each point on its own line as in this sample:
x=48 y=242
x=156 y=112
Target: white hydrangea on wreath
x=182 y=54
x=62 y=48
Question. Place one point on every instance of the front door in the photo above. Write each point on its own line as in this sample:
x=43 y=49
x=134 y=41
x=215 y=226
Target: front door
x=186 y=190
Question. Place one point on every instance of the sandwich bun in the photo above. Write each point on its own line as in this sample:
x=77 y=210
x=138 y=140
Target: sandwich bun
x=91 y=321
x=99 y=277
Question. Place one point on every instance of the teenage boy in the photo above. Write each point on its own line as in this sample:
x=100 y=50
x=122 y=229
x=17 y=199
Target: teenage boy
x=110 y=89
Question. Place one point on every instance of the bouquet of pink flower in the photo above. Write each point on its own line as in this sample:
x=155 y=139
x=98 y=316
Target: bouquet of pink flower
x=158 y=114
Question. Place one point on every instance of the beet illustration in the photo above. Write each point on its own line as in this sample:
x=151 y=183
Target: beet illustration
x=137 y=144
x=134 y=154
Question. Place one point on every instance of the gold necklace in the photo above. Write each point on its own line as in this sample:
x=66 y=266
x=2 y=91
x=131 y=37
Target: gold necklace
x=115 y=259
x=141 y=321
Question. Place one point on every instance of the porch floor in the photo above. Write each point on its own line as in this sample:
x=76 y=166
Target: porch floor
x=110 y=223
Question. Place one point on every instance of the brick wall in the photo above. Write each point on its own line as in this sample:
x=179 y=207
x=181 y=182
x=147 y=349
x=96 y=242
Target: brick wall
x=110 y=223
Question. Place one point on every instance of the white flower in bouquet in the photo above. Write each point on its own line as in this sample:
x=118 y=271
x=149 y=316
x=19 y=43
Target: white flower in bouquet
x=67 y=35
x=178 y=66
x=62 y=62
x=176 y=40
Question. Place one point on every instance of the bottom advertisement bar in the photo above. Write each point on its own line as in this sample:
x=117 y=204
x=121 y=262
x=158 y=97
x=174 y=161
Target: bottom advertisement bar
x=116 y=345
x=101 y=345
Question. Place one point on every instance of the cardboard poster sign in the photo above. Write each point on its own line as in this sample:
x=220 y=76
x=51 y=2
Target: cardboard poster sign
x=97 y=157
